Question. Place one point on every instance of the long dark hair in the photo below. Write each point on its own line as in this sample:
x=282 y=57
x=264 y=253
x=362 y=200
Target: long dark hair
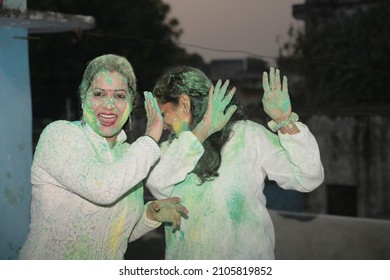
x=194 y=83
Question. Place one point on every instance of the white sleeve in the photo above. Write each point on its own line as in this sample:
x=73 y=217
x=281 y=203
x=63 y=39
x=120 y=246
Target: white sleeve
x=297 y=165
x=143 y=226
x=177 y=160
x=66 y=155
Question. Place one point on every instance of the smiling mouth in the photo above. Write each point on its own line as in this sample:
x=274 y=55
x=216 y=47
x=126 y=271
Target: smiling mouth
x=107 y=119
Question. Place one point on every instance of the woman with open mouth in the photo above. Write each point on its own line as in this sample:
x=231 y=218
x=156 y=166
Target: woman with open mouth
x=87 y=192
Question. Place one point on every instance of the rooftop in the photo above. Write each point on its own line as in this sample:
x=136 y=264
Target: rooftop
x=38 y=22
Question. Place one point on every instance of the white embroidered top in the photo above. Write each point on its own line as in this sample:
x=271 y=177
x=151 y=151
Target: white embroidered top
x=87 y=199
x=227 y=216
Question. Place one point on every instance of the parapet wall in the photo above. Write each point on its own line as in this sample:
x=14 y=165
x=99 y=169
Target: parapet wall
x=326 y=237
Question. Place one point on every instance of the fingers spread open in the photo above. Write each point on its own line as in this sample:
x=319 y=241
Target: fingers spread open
x=285 y=85
x=210 y=94
x=272 y=78
x=217 y=89
x=229 y=96
x=224 y=87
x=265 y=82
x=277 y=80
x=229 y=112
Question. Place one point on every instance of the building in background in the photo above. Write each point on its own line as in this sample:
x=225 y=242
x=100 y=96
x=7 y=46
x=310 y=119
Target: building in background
x=353 y=141
x=320 y=14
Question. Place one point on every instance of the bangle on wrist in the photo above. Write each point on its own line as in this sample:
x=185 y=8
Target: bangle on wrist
x=274 y=126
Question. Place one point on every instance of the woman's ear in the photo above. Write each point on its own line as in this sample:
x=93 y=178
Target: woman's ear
x=185 y=103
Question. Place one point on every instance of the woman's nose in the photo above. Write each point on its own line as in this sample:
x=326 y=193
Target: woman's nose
x=109 y=102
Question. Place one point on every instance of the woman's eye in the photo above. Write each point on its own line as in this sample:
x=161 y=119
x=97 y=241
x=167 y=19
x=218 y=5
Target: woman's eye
x=98 y=93
x=120 y=95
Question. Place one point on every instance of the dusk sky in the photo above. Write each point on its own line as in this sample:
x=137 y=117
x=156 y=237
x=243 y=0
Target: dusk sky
x=249 y=25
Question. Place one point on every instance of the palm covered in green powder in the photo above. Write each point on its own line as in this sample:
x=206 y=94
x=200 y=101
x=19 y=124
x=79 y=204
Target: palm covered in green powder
x=276 y=101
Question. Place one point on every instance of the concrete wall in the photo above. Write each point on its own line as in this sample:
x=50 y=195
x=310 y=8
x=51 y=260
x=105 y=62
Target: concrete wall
x=326 y=237
x=355 y=152
x=301 y=237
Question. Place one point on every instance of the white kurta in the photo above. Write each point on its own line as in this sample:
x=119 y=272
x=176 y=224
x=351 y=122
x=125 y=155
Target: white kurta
x=227 y=216
x=87 y=199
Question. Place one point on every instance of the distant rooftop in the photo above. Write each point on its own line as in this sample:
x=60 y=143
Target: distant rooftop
x=38 y=22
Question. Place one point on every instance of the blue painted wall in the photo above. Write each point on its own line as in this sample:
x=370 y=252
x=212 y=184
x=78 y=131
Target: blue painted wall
x=15 y=141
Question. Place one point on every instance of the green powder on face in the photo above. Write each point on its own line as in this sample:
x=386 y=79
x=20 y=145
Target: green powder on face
x=90 y=117
x=179 y=126
x=125 y=115
x=108 y=80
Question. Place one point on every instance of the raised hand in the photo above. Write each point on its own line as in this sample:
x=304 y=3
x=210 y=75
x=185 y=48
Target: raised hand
x=154 y=125
x=167 y=210
x=276 y=101
x=215 y=117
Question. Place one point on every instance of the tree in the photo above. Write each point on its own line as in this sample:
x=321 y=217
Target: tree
x=346 y=62
x=137 y=29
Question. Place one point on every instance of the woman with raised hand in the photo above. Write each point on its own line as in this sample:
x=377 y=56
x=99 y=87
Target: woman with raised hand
x=217 y=163
x=87 y=192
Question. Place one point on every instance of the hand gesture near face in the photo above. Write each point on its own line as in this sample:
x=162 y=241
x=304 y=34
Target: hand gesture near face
x=276 y=101
x=216 y=117
x=154 y=125
x=167 y=210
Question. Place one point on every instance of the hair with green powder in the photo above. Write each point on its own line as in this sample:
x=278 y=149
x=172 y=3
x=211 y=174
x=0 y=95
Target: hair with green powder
x=109 y=63
x=194 y=83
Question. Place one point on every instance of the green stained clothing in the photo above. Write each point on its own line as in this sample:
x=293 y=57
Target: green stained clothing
x=227 y=216
x=87 y=200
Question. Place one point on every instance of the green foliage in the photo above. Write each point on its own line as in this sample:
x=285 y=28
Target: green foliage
x=346 y=62
x=140 y=30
